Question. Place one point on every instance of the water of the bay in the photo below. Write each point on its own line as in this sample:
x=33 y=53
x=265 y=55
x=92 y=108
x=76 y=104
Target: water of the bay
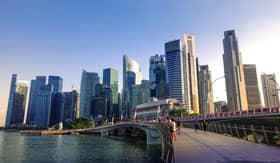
x=71 y=148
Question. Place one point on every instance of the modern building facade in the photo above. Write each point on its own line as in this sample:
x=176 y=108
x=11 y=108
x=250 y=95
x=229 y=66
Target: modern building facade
x=17 y=101
x=190 y=73
x=35 y=86
x=43 y=106
x=71 y=106
x=139 y=94
x=252 y=86
x=110 y=80
x=175 y=70
x=57 y=83
x=182 y=72
x=270 y=90
x=131 y=74
x=234 y=73
x=206 y=100
x=88 y=82
x=57 y=110
x=158 y=77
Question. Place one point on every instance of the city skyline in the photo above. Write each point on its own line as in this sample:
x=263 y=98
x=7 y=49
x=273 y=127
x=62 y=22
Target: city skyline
x=248 y=42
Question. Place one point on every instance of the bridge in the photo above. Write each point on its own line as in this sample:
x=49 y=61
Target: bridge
x=198 y=146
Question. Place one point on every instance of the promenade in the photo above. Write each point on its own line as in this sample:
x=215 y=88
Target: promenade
x=199 y=147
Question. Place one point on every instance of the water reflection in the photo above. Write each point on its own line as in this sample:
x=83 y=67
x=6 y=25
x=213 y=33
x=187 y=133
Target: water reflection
x=70 y=148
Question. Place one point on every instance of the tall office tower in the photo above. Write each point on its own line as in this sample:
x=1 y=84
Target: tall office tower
x=175 y=71
x=131 y=71
x=197 y=79
x=234 y=73
x=57 y=83
x=270 y=90
x=110 y=80
x=99 y=102
x=139 y=94
x=57 y=110
x=35 y=86
x=190 y=72
x=71 y=106
x=43 y=106
x=158 y=77
x=252 y=86
x=88 y=82
x=206 y=92
x=17 y=101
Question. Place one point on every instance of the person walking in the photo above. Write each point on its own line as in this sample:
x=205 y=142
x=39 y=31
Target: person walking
x=179 y=125
x=204 y=125
x=196 y=125
x=173 y=129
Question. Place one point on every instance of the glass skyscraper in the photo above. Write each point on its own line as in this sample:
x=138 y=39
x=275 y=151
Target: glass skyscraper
x=174 y=64
x=57 y=83
x=35 y=86
x=17 y=101
x=110 y=79
x=71 y=106
x=234 y=73
x=43 y=105
x=131 y=71
x=158 y=76
x=88 y=82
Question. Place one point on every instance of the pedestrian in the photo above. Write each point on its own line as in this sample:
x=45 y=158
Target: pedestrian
x=204 y=125
x=173 y=129
x=196 y=125
x=179 y=125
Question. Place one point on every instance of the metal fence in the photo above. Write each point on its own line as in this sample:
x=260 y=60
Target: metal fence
x=258 y=134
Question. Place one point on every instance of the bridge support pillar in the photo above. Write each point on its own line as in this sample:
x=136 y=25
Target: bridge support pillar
x=153 y=136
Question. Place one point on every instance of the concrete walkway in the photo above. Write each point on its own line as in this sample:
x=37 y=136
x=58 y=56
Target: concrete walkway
x=199 y=147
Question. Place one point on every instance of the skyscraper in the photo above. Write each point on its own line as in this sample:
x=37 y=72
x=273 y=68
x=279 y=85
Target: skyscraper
x=57 y=83
x=139 y=94
x=35 y=86
x=158 y=77
x=88 y=82
x=252 y=87
x=234 y=73
x=71 y=105
x=131 y=73
x=57 y=110
x=190 y=73
x=43 y=106
x=206 y=93
x=270 y=91
x=175 y=70
x=110 y=80
x=17 y=101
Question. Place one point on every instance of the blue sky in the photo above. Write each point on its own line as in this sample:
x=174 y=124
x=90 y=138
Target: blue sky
x=64 y=37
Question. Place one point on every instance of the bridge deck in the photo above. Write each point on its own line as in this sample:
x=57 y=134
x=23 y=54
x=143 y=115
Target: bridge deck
x=199 y=147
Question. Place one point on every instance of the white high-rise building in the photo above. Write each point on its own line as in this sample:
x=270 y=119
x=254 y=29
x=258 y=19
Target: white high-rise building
x=190 y=73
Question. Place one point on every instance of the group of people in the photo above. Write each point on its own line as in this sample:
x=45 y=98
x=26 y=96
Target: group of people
x=174 y=128
x=203 y=126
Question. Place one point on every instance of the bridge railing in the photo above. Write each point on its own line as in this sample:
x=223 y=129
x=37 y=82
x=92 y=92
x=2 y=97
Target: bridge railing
x=244 y=113
x=257 y=134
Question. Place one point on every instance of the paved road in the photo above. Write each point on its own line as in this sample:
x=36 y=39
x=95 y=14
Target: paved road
x=199 y=147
